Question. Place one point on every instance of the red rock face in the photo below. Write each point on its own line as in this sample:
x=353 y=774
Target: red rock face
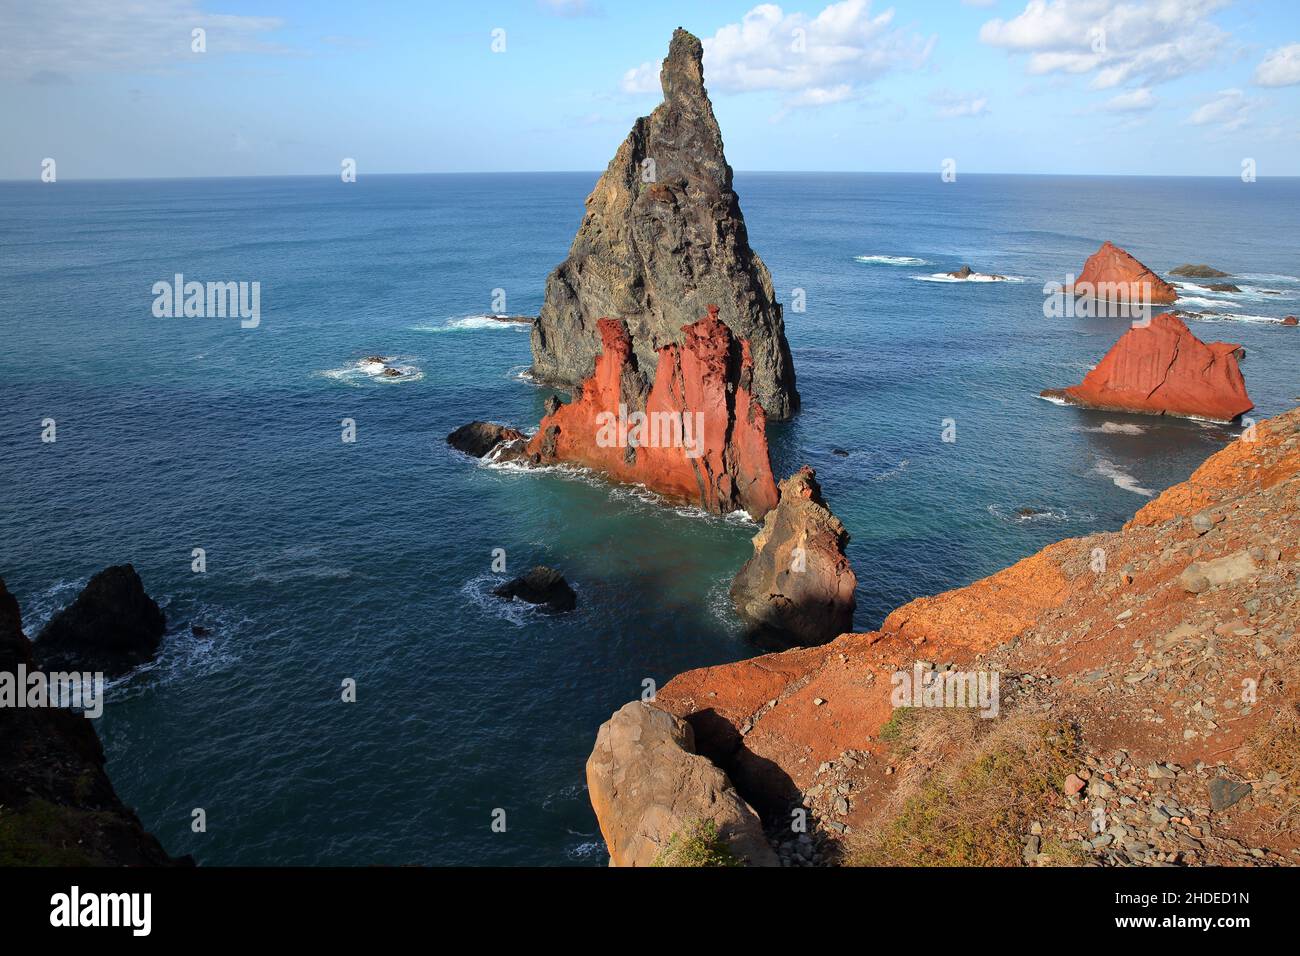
x=1163 y=369
x=1112 y=273
x=696 y=435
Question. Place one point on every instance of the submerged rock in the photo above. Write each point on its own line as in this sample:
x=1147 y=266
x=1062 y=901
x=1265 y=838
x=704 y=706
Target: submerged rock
x=479 y=438
x=798 y=586
x=647 y=784
x=662 y=237
x=112 y=626
x=1163 y=369
x=1198 y=272
x=1111 y=273
x=541 y=585
x=695 y=435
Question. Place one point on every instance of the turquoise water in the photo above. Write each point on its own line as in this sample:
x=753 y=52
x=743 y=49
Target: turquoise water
x=372 y=560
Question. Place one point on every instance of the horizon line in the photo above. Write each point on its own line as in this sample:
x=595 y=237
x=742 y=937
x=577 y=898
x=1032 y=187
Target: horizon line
x=598 y=172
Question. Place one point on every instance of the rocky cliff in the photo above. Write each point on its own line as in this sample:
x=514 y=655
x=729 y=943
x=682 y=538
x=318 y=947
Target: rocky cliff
x=1163 y=369
x=57 y=805
x=1110 y=272
x=1147 y=710
x=798 y=587
x=696 y=434
x=645 y=765
x=662 y=237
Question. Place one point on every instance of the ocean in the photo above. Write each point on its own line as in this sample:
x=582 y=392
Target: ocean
x=372 y=560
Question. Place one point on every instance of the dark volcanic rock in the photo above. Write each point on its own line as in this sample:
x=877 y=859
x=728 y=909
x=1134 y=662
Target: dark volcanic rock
x=479 y=438
x=1222 y=287
x=541 y=585
x=1225 y=793
x=1198 y=272
x=662 y=238
x=798 y=586
x=112 y=626
x=57 y=805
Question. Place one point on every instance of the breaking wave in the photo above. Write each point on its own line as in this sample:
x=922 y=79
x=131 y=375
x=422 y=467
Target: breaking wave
x=1121 y=478
x=891 y=260
x=471 y=323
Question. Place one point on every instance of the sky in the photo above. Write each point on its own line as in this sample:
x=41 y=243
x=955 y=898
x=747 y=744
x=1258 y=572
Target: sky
x=117 y=89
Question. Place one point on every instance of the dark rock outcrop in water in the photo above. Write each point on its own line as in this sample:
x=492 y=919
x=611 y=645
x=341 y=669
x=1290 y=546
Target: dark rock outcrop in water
x=112 y=626
x=798 y=585
x=1163 y=369
x=648 y=785
x=542 y=585
x=662 y=237
x=695 y=435
x=479 y=438
x=57 y=805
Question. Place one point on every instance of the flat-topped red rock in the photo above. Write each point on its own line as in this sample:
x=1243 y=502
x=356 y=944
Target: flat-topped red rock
x=1163 y=369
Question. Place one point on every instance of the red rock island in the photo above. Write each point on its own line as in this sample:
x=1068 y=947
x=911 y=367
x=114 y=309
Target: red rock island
x=1163 y=369
x=1111 y=273
x=696 y=435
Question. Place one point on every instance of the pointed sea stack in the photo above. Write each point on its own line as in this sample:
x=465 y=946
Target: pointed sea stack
x=112 y=626
x=662 y=237
x=1163 y=369
x=1111 y=273
x=798 y=587
x=696 y=435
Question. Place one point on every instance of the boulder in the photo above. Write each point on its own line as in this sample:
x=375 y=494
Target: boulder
x=662 y=237
x=647 y=784
x=1222 y=287
x=1163 y=369
x=1112 y=274
x=696 y=434
x=1290 y=320
x=541 y=585
x=798 y=587
x=1187 y=271
x=479 y=438
x=112 y=626
x=1228 y=570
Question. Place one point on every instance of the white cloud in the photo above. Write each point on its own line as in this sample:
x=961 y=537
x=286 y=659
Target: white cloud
x=1134 y=101
x=816 y=60
x=1118 y=42
x=1228 y=110
x=950 y=105
x=1281 y=67
x=62 y=37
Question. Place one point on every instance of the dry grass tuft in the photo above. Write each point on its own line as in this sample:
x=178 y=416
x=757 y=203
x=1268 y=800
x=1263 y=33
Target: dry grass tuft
x=969 y=789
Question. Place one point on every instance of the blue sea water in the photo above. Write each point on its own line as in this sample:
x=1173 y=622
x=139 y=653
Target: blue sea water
x=372 y=560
